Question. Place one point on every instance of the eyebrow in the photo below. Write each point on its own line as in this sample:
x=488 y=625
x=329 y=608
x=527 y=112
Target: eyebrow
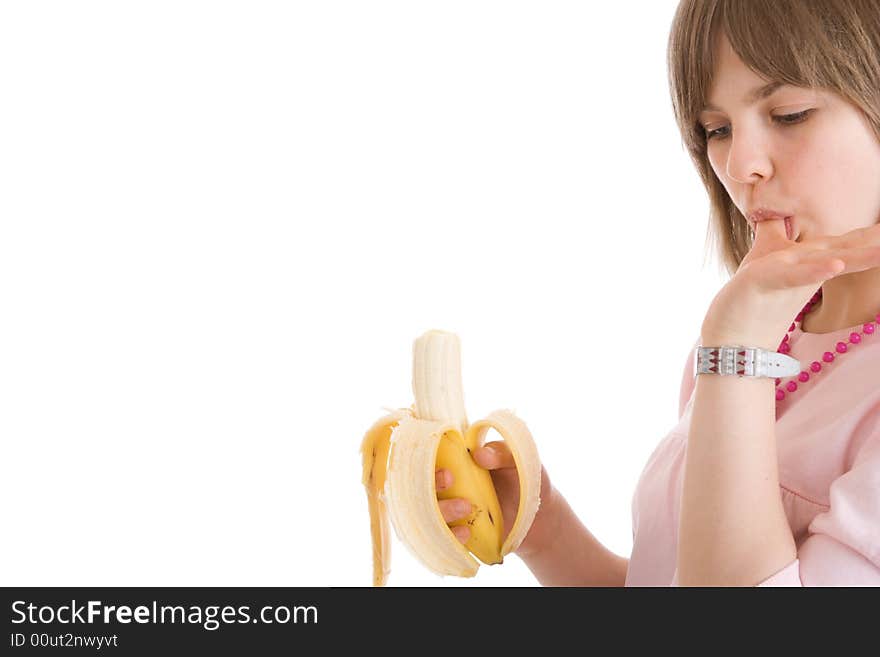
x=753 y=96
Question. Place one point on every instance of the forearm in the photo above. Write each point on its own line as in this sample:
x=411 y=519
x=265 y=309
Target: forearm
x=733 y=530
x=575 y=557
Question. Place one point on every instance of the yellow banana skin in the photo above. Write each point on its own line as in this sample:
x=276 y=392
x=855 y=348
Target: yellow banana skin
x=474 y=483
x=374 y=450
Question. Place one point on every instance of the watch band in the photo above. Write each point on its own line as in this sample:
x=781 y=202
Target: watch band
x=744 y=361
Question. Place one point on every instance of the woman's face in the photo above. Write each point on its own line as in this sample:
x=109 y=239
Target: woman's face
x=823 y=167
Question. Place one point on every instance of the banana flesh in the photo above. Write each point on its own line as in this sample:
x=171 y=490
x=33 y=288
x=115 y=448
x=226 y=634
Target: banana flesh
x=402 y=451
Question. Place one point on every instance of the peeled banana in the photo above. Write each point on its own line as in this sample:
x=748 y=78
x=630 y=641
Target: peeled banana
x=402 y=451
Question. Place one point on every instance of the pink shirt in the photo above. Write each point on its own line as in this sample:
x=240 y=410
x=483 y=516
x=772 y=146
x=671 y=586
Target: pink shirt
x=828 y=445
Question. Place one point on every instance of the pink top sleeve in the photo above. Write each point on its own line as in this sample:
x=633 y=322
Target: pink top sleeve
x=687 y=380
x=843 y=546
x=788 y=576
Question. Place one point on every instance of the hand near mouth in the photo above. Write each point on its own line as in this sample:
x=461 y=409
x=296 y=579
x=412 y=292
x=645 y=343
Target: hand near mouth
x=776 y=279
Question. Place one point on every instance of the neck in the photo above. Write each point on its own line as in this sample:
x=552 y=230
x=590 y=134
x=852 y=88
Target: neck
x=847 y=300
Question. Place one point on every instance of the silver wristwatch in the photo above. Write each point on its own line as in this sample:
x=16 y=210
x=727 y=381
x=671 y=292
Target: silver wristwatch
x=744 y=361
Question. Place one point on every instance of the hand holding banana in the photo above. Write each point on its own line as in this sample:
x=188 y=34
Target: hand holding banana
x=777 y=278
x=418 y=462
x=497 y=458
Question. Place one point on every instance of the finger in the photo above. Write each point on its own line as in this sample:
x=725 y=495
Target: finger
x=494 y=455
x=442 y=479
x=814 y=271
x=455 y=508
x=856 y=259
x=770 y=236
x=462 y=533
x=858 y=238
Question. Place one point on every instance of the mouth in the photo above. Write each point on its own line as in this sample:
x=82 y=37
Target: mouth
x=791 y=229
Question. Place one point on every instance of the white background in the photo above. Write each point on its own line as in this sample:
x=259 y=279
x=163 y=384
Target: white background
x=224 y=223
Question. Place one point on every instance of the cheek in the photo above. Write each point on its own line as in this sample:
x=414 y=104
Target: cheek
x=864 y=183
x=811 y=161
x=816 y=190
x=834 y=177
x=716 y=161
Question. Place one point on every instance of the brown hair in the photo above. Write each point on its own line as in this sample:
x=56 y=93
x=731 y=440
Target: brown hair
x=820 y=44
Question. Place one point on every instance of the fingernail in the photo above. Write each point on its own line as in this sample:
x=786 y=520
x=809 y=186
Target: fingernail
x=463 y=506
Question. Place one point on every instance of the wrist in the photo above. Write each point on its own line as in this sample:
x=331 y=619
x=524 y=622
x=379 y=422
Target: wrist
x=712 y=337
x=545 y=526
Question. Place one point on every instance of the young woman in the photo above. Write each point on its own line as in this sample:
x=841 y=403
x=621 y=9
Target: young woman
x=769 y=481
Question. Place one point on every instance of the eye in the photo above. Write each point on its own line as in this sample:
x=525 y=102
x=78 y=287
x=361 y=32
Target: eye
x=791 y=119
x=784 y=119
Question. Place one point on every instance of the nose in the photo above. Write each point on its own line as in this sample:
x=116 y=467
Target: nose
x=748 y=159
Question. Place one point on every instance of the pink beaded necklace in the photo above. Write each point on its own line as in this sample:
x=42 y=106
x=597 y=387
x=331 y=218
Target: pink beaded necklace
x=827 y=357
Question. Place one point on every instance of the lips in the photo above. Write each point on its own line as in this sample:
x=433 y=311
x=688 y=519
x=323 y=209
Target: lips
x=765 y=214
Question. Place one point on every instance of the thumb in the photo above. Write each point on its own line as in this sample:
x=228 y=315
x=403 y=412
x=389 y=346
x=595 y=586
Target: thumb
x=494 y=455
